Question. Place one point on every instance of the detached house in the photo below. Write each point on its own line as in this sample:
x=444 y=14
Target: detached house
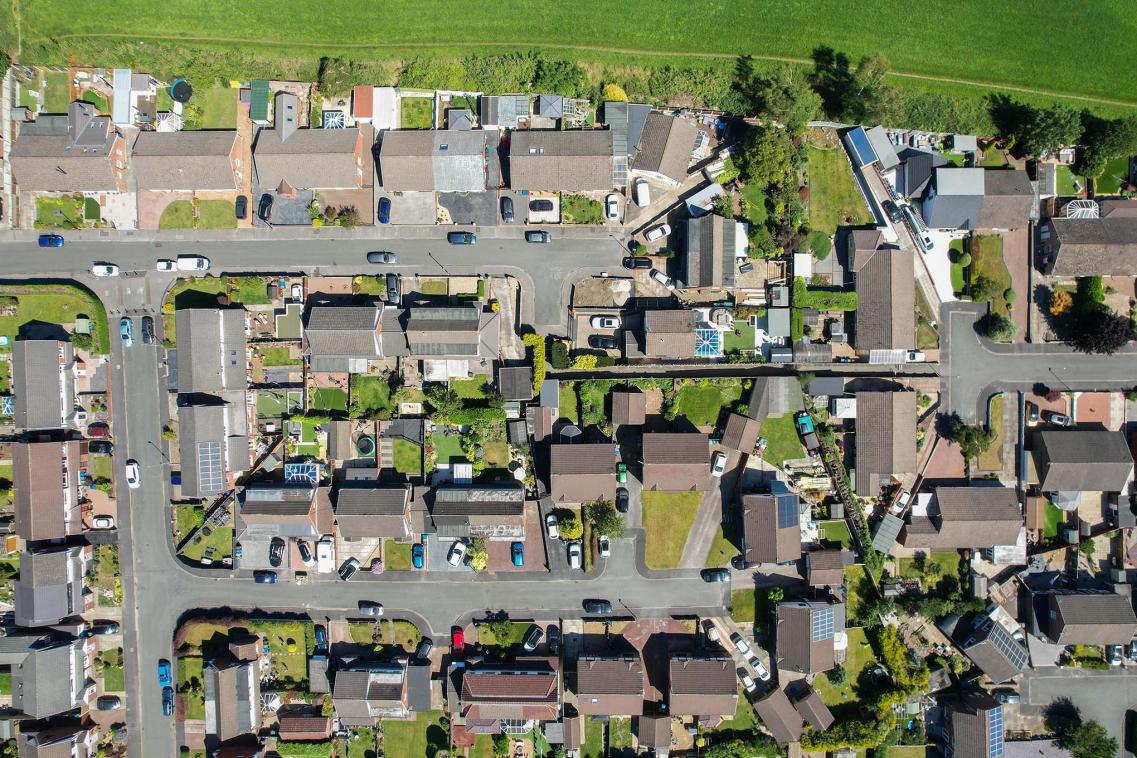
x=494 y=511
x=664 y=149
x=703 y=687
x=676 y=461
x=1105 y=246
x=1067 y=462
x=63 y=740
x=886 y=299
x=509 y=698
x=714 y=245
x=50 y=587
x=771 y=529
x=977 y=198
x=610 y=686
x=556 y=161
x=807 y=635
x=885 y=431
x=1085 y=617
x=582 y=473
x=433 y=161
x=43 y=383
x=669 y=334
x=342 y=338
x=45 y=491
x=232 y=698
x=992 y=648
x=965 y=517
x=364 y=696
x=366 y=510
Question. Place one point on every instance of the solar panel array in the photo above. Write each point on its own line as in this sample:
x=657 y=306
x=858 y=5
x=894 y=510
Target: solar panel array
x=787 y=512
x=822 y=624
x=210 y=472
x=1013 y=651
x=302 y=472
x=995 y=732
x=707 y=343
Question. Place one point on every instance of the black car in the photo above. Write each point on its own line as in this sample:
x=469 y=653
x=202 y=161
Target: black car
x=108 y=703
x=553 y=639
x=636 y=261
x=622 y=500
x=422 y=652
x=537 y=236
x=715 y=575
x=893 y=212
x=100 y=628
x=540 y=205
x=264 y=577
x=532 y=638
x=601 y=342
x=597 y=606
x=242 y=206
x=393 y=288
x=167 y=701
x=147 y=330
x=738 y=562
x=265 y=206
x=100 y=447
x=1032 y=413
x=305 y=552
x=275 y=552
x=746 y=268
x=507 y=210
x=384 y=214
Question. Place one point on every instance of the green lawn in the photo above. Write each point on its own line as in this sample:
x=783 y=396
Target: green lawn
x=702 y=405
x=278 y=356
x=619 y=734
x=745 y=720
x=370 y=285
x=470 y=389
x=578 y=209
x=857 y=588
x=947 y=563
x=95 y=99
x=994 y=159
x=218 y=108
x=189 y=668
x=987 y=260
x=956 y=159
x=59 y=212
x=742 y=605
x=568 y=402
x=483 y=747
x=329 y=399
x=958 y=279
x=114 y=680
x=408 y=457
x=723 y=548
x=6 y=482
x=270 y=404
x=860 y=656
x=1054 y=517
x=835 y=534
x=198 y=293
x=248 y=290
x=56 y=91
x=220 y=539
x=416 y=112
x=5 y=682
x=782 y=441
x=289 y=645
x=177 y=215
x=447 y=448
x=370 y=395
x=433 y=287
x=744 y=340
x=992 y=458
x=833 y=197
x=1114 y=178
x=497 y=453
x=755 y=197
x=927 y=338
x=1069 y=185
x=54 y=304
x=217 y=214
x=423 y=737
x=361 y=744
x=667 y=519
x=101 y=467
x=517 y=630
x=593 y=739
x=187 y=518
x=397 y=555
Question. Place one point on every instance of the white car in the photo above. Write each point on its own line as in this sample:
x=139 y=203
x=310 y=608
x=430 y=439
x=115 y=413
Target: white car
x=612 y=208
x=551 y=527
x=747 y=682
x=193 y=263
x=575 y=555
x=325 y=556
x=605 y=546
x=133 y=476
x=657 y=232
x=102 y=522
x=457 y=553
x=915 y=356
x=663 y=279
x=641 y=193
x=763 y=674
x=166 y=264
x=604 y=322
x=104 y=269
x=740 y=644
x=718 y=464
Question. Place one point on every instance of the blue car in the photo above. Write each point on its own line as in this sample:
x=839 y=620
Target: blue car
x=50 y=240
x=418 y=555
x=461 y=238
x=517 y=552
x=165 y=675
x=167 y=701
x=321 y=635
x=384 y=210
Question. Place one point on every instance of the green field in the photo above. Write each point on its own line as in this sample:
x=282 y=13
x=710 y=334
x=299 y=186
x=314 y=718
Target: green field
x=667 y=519
x=785 y=28
x=833 y=196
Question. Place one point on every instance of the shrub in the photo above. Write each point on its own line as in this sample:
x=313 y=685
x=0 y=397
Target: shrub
x=569 y=525
x=82 y=341
x=537 y=343
x=584 y=362
x=1009 y=296
x=558 y=355
x=304 y=749
x=964 y=260
x=615 y=92
x=1061 y=301
x=999 y=328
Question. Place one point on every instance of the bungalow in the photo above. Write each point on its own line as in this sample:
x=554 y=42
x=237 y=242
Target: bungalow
x=774 y=396
x=433 y=161
x=363 y=696
x=494 y=511
x=43 y=383
x=342 y=339
x=702 y=687
x=48 y=676
x=1086 y=616
x=188 y=161
x=232 y=698
x=1066 y=462
x=511 y=697
x=780 y=716
x=556 y=161
x=50 y=586
x=669 y=334
x=664 y=149
x=457 y=332
x=371 y=511
x=288 y=510
x=771 y=530
x=45 y=491
x=741 y=433
x=965 y=517
x=676 y=461
x=1105 y=246
x=300 y=727
x=885 y=429
x=974 y=727
x=714 y=245
x=977 y=198
x=886 y=304
x=63 y=740
x=610 y=686
x=582 y=473
x=807 y=635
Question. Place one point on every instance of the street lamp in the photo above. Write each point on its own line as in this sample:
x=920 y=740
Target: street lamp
x=438 y=262
x=161 y=452
x=1067 y=386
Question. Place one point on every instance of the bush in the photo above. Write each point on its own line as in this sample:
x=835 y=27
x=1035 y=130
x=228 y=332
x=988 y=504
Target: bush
x=537 y=344
x=569 y=525
x=614 y=92
x=559 y=355
x=1009 y=296
x=304 y=749
x=999 y=328
x=584 y=362
x=604 y=518
x=82 y=341
x=964 y=260
x=1061 y=302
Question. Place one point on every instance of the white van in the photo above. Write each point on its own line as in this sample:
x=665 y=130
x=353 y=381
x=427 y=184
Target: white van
x=193 y=263
x=325 y=556
x=641 y=193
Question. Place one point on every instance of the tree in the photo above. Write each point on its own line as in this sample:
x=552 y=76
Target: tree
x=1060 y=302
x=999 y=328
x=982 y=288
x=964 y=260
x=1048 y=129
x=871 y=99
x=1090 y=740
x=838 y=675
x=724 y=206
x=1104 y=140
x=569 y=526
x=604 y=518
x=615 y=93
x=558 y=355
x=766 y=156
x=1102 y=331
x=973 y=441
x=82 y=341
x=501 y=744
x=788 y=98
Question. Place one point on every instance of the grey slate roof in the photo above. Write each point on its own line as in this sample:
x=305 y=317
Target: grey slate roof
x=1007 y=199
x=343 y=331
x=774 y=396
x=479 y=500
x=710 y=257
x=994 y=650
x=451 y=330
x=1091 y=618
x=503 y=110
x=885 y=441
x=569 y=161
x=184 y=160
x=886 y=301
x=550 y=106
x=311 y=158
x=1081 y=460
x=232 y=699
x=202 y=424
x=977 y=198
x=665 y=146
x=515 y=382
x=50 y=586
x=42 y=680
x=66 y=154
x=433 y=161
x=1093 y=246
x=214 y=342
x=47 y=504
x=43 y=392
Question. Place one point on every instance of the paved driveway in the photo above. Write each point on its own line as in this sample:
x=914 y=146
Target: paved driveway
x=1103 y=696
x=480 y=208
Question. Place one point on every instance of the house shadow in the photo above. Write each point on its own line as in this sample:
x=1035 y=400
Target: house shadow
x=40 y=330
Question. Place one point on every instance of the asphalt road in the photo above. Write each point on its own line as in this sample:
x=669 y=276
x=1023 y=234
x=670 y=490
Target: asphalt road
x=974 y=368
x=1103 y=696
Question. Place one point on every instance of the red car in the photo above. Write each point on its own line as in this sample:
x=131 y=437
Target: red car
x=98 y=429
x=457 y=640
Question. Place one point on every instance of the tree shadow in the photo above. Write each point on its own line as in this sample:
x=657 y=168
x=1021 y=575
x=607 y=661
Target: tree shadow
x=1061 y=717
x=1008 y=115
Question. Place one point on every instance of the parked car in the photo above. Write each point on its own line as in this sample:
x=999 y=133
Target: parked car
x=633 y=262
x=1114 y=655
x=167 y=701
x=1031 y=413
x=321 y=635
x=575 y=555
x=104 y=269
x=192 y=263
x=657 y=232
x=711 y=630
x=718 y=464
x=276 y=552
x=746 y=268
x=147 y=330
x=102 y=522
x=422 y=652
x=51 y=240
x=602 y=342
x=1058 y=419
x=394 y=293
x=418 y=555
x=553 y=639
x=622 y=473
x=612 y=208
x=265 y=206
x=383 y=216
x=165 y=264
x=457 y=639
x=532 y=638
x=622 y=500
x=538 y=236
x=264 y=577
x=759 y=668
x=507 y=210
x=893 y=212
x=605 y=546
x=1132 y=650
x=165 y=673
x=380 y=257
x=551 y=527
x=108 y=703
x=348 y=568
x=604 y=322
x=1006 y=697
x=641 y=193
x=133 y=474
x=305 y=551
x=98 y=429
x=663 y=279
x=747 y=681
x=370 y=608
x=740 y=644
x=540 y=205
x=100 y=628
x=915 y=356
x=457 y=554
x=126 y=331
x=597 y=606
x=715 y=575
x=462 y=238
x=517 y=554
x=241 y=206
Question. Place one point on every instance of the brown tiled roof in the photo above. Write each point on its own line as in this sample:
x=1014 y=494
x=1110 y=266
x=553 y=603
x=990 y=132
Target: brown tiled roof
x=184 y=160
x=569 y=161
x=665 y=147
x=779 y=716
x=305 y=727
x=314 y=158
x=582 y=473
x=1094 y=247
x=886 y=302
x=826 y=568
x=763 y=540
x=654 y=731
x=676 y=461
x=669 y=334
x=1081 y=460
x=610 y=686
x=519 y=693
x=1091 y=618
x=863 y=244
x=628 y=408
x=741 y=433
x=1007 y=199
x=967 y=517
x=38 y=489
x=814 y=711
x=970 y=725
x=886 y=438
x=796 y=648
x=702 y=686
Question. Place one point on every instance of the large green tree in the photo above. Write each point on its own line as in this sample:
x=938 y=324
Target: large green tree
x=1090 y=740
x=1045 y=130
x=766 y=156
x=788 y=98
x=871 y=99
x=1104 y=140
